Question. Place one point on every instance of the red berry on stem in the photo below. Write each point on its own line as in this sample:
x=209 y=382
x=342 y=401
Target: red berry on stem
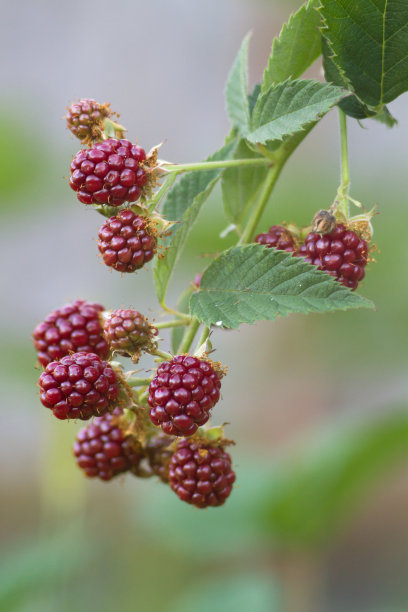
x=127 y=241
x=78 y=386
x=201 y=474
x=128 y=332
x=85 y=119
x=182 y=394
x=108 y=173
x=279 y=237
x=103 y=450
x=341 y=253
x=75 y=327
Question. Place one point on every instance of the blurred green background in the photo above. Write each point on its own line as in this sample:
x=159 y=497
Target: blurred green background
x=317 y=404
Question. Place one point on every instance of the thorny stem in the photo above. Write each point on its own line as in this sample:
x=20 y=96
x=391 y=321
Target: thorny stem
x=212 y=165
x=341 y=202
x=269 y=184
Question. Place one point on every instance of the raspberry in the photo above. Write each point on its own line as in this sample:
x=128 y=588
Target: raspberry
x=85 y=119
x=126 y=241
x=103 y=450
x=278 y=237
x=201 y=474
x=78 y=386
x=110 y=172
x=341 y=253
x=73 y=328
x=127 y=332
x=182 y=393
x=159 y=456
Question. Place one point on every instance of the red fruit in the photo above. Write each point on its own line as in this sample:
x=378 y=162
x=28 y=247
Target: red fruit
x=73 y=328
x=78 y=386
x=341 y=253
x=182 y=394
x=159 y=455
x=103 y=450
x=85 y=119
x=127 y=241
x=201 y=474
x=277 y=236
x=108 y=173
x=128 y=332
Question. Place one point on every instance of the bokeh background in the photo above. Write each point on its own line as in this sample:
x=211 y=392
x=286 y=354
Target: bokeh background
x=317 y=404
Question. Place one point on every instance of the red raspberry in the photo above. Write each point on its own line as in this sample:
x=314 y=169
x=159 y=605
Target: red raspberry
x=341 y=253
x=78 y=386
x=73 y=328
x=201 y=474
x=103 y=450
x=85 y=119
x=182 y=393
x=108 y=173
x=128 y=332
x=277 y=236
x=126 y=241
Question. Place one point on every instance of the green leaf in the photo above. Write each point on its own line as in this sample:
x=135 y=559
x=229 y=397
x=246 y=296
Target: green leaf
x=251 y=283
x=289 y=107
x=369 y=43
x=182 y=206
x=236 y=91
x=240 y=185
x=352 y=106
x=296 y=48
x=252 y=98
x=322 y=484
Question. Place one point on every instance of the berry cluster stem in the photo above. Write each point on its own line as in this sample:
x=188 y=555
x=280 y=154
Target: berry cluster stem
x=173 y=323
x=269 y=184
x=189 y=336
x=342 y=203
x=213 y=165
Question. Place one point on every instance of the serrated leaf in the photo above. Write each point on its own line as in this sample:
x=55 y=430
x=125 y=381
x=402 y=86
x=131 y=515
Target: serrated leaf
x=253 y=96
x=182 y=206
x=369 y=43
x=289 y=107
x=322 y=484
x=240 y=185
x=252 y=283
x=296 y=48
x=236 y=91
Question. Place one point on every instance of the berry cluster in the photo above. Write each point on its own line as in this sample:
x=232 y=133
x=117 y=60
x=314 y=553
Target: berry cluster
x=75 y=343
x=110 y=172
x=340 y=252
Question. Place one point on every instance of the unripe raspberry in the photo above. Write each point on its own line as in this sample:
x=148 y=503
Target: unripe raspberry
x=278 y=237
x=182 y=394
x=127 y=241
x=110 y=172
x=128 y=333
x=159 y=455
x=85 y=119
x=103 y=450
x=201 y=474
x=78 y=386
x=75 y=327
x=341 y=253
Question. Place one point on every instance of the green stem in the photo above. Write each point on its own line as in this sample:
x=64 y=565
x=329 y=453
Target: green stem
x=203 y=337
x=162 y=354
x=173 y=323
x=268 y=186
x=343 y=190
x=176 y=313
x=189 y=336
x=227 y=163
x=161 y=193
